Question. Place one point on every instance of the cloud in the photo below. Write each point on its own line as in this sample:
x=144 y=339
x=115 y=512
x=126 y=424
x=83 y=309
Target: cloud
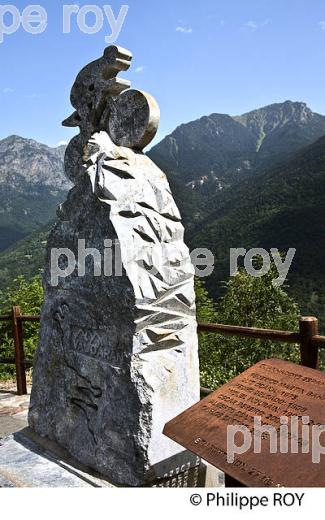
x=322 y=25
x=7 y=90
x=140 y=69
x=253 y=25
x=31 y=96
x=184 y=30
x=61 y=143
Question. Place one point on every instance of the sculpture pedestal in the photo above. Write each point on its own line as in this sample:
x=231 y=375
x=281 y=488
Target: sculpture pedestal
x=27 y=460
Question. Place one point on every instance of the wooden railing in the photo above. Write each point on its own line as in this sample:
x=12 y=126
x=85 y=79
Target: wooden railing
x=18 y=359
x=308 y=339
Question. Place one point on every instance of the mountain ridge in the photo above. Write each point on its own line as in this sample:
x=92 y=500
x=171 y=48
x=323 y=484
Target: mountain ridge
x=32 y=183
x=215 y=151
x=283 y=208
x=272 y=201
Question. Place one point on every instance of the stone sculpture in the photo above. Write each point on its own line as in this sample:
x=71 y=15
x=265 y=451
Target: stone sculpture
x=118 y=354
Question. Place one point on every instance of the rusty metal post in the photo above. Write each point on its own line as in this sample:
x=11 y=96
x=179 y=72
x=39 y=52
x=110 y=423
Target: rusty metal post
x=232 y=482
x=308 y=326
x=19 y=351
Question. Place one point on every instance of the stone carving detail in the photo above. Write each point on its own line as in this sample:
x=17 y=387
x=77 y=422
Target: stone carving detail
x=117 y=356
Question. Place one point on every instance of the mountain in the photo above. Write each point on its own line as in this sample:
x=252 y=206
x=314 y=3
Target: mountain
x=282 y=128
x=25 y=257
x=209 y=154
x=277 y=153
x=32 y=183
x=217 y=150
x=283 y=208
x=209 y=148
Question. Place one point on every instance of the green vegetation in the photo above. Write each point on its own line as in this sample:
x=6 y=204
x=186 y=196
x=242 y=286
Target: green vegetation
x=272 y=196
x=249 y=302
x=266 y=201
x=281 y=208
x=24 y=258
x=29 y=296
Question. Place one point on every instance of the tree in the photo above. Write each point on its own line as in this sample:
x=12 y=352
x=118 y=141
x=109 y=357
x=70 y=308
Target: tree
x=250 y=302
x=29 y=296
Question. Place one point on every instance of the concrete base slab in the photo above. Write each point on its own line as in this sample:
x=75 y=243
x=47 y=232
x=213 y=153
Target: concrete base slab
x=10 y=424
x=27 y=460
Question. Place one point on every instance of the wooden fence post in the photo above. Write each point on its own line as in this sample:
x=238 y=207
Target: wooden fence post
x=308 y=327
x=19 y=351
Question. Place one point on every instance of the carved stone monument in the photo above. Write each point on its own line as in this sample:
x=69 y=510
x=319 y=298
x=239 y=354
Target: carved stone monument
x=118 y=354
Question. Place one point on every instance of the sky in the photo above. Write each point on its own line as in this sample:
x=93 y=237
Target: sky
x=194 y=57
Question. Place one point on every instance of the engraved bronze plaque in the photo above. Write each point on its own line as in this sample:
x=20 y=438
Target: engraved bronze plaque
x=279 y=408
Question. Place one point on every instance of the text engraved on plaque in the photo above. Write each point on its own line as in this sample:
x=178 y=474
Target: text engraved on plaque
x=264 y=428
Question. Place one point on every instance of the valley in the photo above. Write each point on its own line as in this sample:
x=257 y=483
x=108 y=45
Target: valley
x=256 y=180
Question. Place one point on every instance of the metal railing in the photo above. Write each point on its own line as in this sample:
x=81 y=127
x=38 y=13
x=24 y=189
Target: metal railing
x=308 y=339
